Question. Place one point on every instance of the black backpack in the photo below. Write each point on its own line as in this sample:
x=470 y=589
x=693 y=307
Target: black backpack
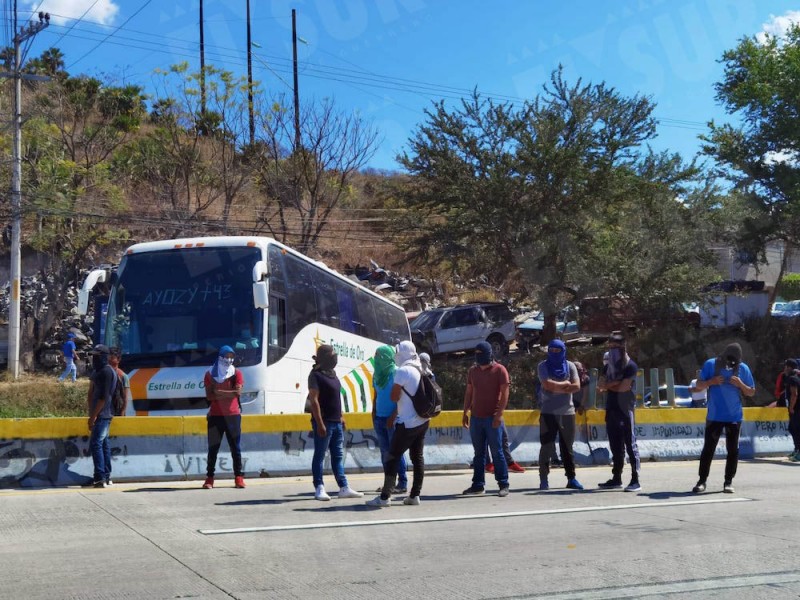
x=118 y=396
x=428 y=397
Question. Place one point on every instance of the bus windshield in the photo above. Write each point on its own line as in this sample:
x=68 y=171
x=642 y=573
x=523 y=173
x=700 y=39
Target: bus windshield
x=176 y=307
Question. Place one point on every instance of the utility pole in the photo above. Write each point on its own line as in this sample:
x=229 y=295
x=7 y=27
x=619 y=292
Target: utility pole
x=20 y=36
x=202 y=66
x=250 y=79
x=296 y=92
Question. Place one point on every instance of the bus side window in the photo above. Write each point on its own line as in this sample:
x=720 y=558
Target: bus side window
x=366 y=315
x=276 y=329
x=301 y=306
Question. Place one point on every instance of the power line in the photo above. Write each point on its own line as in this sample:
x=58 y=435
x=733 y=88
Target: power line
x=110 y=34
x=74 y=23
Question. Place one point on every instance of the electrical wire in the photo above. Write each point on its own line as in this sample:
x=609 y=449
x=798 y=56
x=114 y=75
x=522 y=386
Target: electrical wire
x=74 y=23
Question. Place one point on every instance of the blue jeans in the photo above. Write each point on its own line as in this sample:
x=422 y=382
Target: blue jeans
x=100 y=448
x=70 y=369
x=482 y=433
x=384 y=440
x=333 y=440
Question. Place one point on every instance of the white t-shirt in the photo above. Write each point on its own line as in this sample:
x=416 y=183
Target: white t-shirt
x=701 y=395
x=408 y=377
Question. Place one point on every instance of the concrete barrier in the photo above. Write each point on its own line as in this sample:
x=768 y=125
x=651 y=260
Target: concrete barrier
x=55 y=452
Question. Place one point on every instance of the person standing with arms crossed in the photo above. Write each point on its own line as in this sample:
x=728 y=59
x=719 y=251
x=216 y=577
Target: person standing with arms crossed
x=726 y=378
x=485 y=401
x=619 y=373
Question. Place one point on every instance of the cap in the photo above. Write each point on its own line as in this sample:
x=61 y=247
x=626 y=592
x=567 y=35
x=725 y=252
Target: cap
x=617 y=337
x=100 y=349
x=226 y=350
x=70 y=335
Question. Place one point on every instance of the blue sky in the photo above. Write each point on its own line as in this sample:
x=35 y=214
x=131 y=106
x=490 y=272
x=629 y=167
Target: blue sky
x=389 y=59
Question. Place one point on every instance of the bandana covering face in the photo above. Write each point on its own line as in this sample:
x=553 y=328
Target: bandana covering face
x=326 y=359
x=223 y=368
x=384 y=366
x=406 y=353
x=557 y=359
x=732 y=356
x=618 y=359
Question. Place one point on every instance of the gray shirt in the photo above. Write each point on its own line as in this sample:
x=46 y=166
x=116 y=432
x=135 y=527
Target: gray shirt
x=554 y=403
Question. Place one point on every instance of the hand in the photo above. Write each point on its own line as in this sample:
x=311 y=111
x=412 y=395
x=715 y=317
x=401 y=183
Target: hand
x=496 y=421
x=390 y=421
x=321 y=430
x=91 y=423
x=465 y=420
x=718 y=380
x=580 y=410
x=736 y=381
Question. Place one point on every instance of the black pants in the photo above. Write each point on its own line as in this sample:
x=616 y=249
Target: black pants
x=231 y=427
x=713 y=431
x=622 y=439
x=794 y=427
x=550 y=427
x=404 y=439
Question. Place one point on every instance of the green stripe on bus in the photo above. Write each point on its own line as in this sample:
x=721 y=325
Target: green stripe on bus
x=344 y=400
x=363 y=392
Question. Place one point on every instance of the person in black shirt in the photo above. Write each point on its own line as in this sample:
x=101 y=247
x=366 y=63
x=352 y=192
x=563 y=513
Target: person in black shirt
x=101 y=412
x=324 y=396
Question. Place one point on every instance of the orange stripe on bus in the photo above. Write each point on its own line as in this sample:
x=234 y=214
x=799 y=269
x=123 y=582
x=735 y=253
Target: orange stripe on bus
x=139 y=381
x=353 y=395
x=368 y=375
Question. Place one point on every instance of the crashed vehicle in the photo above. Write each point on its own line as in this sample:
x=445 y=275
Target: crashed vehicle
x=461 y=328
x=529 y=332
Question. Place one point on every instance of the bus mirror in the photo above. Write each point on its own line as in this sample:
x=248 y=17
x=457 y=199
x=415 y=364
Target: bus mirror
x=260 y=294
x=259 y=271
x=92 y=279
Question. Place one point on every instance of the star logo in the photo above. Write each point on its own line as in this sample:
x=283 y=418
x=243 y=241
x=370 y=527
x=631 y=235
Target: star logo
x=318 y=341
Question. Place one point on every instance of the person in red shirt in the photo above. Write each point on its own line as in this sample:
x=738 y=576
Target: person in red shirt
x=223 y=383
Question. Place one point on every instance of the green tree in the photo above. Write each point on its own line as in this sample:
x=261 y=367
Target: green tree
x=552 y=194
x=760 y=153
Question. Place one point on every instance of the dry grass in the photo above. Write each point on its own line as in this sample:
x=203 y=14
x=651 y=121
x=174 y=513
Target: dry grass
x=42 y=396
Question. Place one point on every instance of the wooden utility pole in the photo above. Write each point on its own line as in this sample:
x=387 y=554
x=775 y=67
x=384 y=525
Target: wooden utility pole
x=202 y=66
x=250 y=79
x=296 y=92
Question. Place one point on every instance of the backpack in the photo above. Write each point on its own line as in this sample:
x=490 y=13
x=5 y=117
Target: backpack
x=427 y=399
x=118 y=395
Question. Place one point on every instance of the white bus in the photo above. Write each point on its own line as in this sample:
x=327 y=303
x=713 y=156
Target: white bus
x=173 y=304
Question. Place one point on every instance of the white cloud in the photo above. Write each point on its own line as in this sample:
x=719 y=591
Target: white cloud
x=63 y=12
x=778 y=26
x=776 y=157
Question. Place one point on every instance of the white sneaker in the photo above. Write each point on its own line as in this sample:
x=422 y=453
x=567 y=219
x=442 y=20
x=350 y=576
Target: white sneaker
x=411 y=500
x=109 y=483
x=379 y=502
x=320 y=494
x=348 y=492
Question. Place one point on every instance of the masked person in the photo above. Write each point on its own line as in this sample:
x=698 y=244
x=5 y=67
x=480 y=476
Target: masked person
x=324 y=395
x=101 y=413
x=384 y=411
x=619 y=372
x=223 y=383
x=726 y=378
x=560 y=381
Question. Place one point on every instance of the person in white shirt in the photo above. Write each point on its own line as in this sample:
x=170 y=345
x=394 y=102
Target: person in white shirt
x=699 y=396
x=410 y=428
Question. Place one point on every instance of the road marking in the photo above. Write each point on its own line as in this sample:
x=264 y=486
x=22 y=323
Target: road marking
x=524 y=513
x=675 y=587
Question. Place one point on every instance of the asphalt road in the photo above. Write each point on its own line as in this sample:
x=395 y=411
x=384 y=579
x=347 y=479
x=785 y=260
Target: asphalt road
x=273 y=540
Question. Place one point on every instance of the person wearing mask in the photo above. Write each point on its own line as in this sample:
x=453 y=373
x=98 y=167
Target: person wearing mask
x=619 y=372
x=101 y=413
x=327 y=424
x=485 y=400
x=726 y=378
x=70 y=358
x=223 y=384
x=384 y=411
x=560 y=381
x=410 y=429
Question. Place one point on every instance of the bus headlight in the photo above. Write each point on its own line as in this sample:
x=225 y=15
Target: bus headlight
x=248 y=397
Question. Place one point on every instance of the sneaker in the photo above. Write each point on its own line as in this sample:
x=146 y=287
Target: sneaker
x=320 y=494
x=208 y=483
x=348 y=492
x=473 y=491
x=411 y=500
x=515 y=467
x=574 y=484
x=504 y=491
x=489 y=468
x=399 y=490
x=633 y=486
x=543 y=483
x=728 y=487
x=699 y=488
x=99 y=484
x=379 y=502
x=109 y=483
x=611 y=484
x=238 y=481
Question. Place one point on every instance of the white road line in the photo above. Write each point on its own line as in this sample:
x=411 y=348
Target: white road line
x=675 y=587
x=524 y=513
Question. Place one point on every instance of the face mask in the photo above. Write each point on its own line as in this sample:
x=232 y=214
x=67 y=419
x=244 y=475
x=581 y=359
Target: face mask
x=227 y=362
x=730 y=362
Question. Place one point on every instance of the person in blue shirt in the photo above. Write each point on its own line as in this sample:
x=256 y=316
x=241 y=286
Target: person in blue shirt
x=384 y=411
x=726 y=378
x=70 y=356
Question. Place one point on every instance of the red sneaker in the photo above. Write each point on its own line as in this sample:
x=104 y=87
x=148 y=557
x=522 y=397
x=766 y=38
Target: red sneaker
x=516 y=467
x=208 y=483
x=238 y=481
x=489 y=467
